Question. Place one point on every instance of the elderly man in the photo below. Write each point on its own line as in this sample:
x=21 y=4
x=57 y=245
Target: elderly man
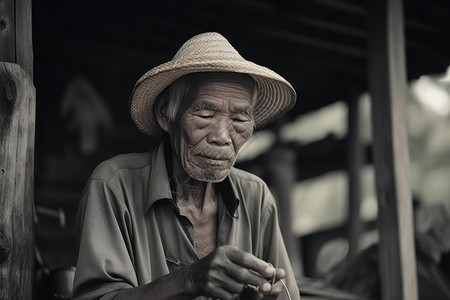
x=179 y=222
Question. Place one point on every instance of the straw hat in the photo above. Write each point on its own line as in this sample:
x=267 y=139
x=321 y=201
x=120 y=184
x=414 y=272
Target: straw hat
x=210 y=52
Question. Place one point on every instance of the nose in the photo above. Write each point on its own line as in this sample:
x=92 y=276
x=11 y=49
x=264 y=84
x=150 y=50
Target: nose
x=220 y=135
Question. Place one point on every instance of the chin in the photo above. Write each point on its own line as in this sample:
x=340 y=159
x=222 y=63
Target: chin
x=208 y=177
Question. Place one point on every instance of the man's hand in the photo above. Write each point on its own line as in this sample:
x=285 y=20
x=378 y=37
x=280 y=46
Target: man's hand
x=227 y=270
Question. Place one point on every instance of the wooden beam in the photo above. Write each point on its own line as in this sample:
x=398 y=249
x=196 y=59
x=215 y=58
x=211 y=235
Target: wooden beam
x=342 y=6
x=24 y=45
x=281 y=172
x=354 y=165
x=17 y=121
x=7 y=31
x=17 y=124
x=316 y=42
x=387 y=85
x=326 y=25
x=15 y=34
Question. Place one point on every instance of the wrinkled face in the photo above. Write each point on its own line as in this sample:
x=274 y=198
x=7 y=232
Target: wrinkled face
x=212 y=130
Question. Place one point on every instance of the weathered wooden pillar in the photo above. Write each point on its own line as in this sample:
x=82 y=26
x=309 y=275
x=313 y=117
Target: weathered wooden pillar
x=17 y=125
x=282 y=173
x=387 y=85
x=354 y=165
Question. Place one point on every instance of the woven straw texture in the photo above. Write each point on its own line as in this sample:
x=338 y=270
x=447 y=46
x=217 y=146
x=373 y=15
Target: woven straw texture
x=210 y=52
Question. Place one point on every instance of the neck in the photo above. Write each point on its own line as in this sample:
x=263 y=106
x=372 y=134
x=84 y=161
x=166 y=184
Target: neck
x=188 y=190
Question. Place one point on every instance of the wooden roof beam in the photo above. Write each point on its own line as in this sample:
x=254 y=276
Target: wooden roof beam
x=342 y=6
x=310 y=41
x=326 y=25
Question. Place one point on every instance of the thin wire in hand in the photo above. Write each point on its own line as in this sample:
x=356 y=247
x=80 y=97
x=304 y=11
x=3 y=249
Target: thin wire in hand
x=282 y=282
x=286 y=289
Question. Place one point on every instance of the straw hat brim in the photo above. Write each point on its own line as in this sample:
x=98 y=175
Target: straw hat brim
x=275 y=94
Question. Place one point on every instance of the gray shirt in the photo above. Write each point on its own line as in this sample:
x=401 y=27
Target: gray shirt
x=131 y=231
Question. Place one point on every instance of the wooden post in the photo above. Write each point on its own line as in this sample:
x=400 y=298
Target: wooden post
x=280 y=167
x=15 y=34
x=354 y=162
x=387 y=85
x=17 y=125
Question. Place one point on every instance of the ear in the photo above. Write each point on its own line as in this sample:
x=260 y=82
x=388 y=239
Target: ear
x=161 y=112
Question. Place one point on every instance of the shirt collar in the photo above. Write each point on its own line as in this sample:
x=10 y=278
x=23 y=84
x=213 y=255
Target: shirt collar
x=229 y=196
x=159 y=184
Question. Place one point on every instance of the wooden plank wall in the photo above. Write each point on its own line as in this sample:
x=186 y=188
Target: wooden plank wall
x=17 y=127
x=387 y=85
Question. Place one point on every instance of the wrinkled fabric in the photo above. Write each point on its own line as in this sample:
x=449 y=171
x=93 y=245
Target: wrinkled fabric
x=131 y=232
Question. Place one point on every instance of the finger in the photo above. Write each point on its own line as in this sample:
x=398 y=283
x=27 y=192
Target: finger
x=244 y=275
x=277 y=288
x=250 y=261
x=280 y=273
x=274 y=289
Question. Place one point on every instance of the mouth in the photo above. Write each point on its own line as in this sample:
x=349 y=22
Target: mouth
x=215 y=160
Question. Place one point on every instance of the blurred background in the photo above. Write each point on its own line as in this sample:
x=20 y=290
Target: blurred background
x=89 y=53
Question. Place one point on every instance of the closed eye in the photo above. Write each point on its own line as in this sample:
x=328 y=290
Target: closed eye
x=243 y=116
x=240 y=119
x=204 y=114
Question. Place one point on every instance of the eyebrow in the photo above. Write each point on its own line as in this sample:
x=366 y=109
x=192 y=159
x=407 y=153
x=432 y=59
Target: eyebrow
x=245 y=112
x=205 y=106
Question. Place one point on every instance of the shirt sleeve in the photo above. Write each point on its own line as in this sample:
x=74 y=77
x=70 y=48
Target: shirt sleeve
x=274 y=250
x=105 y=259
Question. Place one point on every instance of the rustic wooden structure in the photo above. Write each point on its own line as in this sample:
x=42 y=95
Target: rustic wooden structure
x=387 y=84
x=17 y=126
x=319 y=45
x=354 y=159
x=279 y=166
